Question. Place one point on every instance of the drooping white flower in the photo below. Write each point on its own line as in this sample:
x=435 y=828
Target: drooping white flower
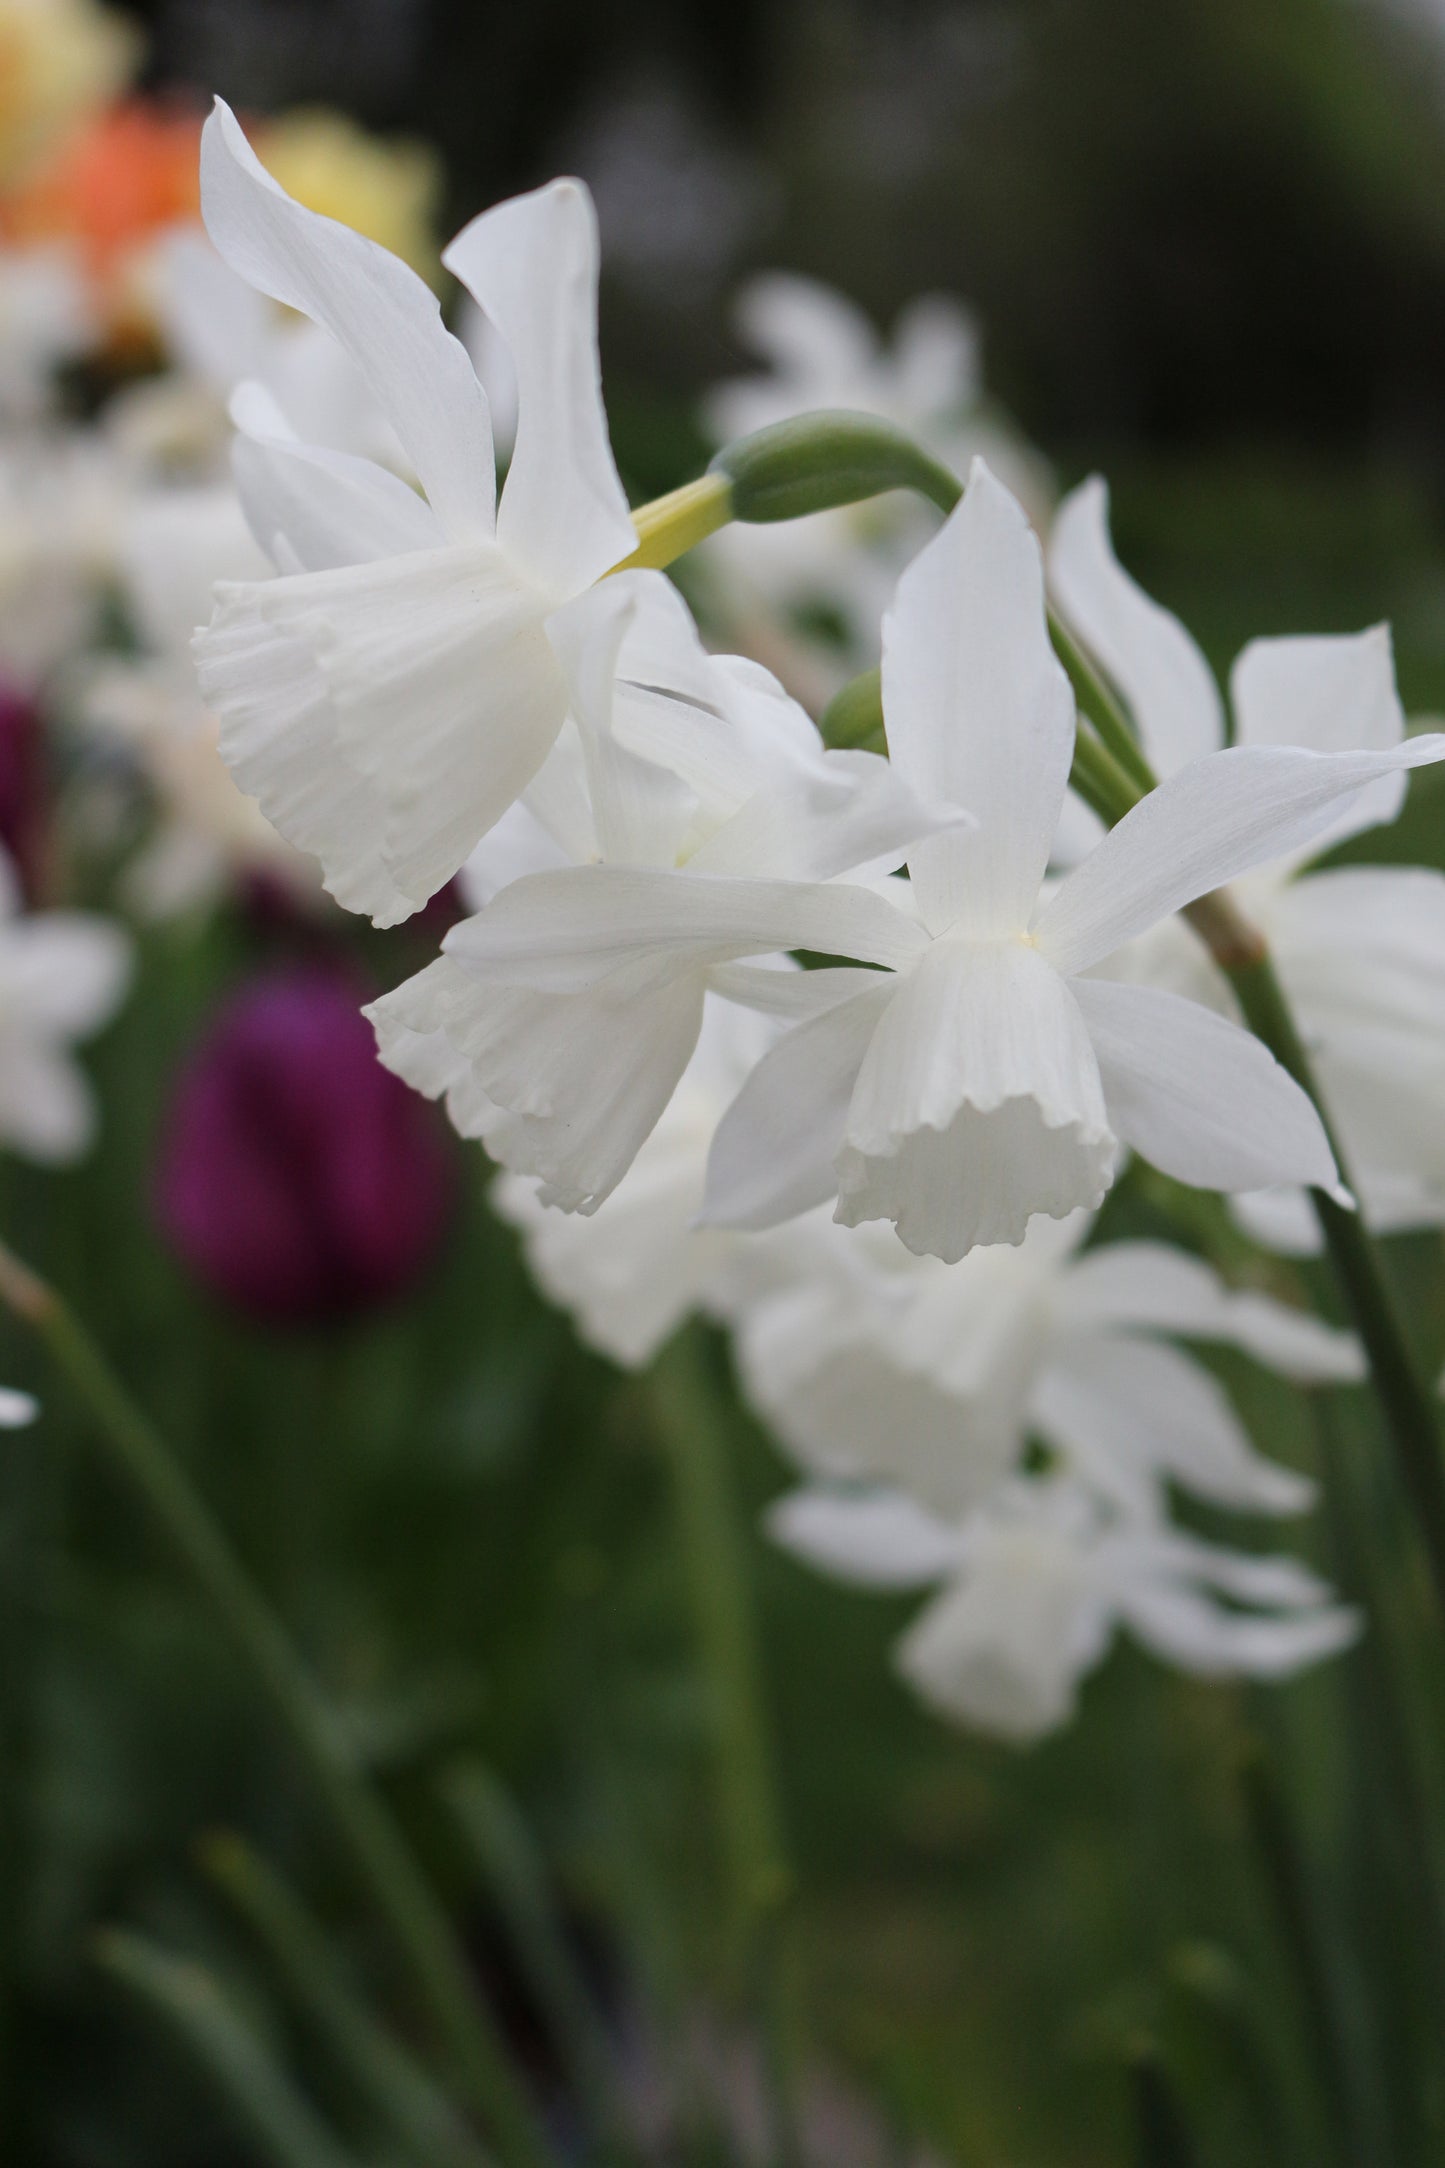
x=62 y=976
x=388 y=696
x=564 y=1067
x=1360 y=950
x=987 y=1077
x=1034 y=1585
x=874 y=1365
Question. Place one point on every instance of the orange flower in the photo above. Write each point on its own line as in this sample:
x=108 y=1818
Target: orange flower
x=132 y=171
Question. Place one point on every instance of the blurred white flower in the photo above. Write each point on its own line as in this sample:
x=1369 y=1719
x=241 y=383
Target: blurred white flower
x=62 y=977
x=61 y=497
x=1035 y=1584
x=174 y=544
x=731 y=783
x=16 y=1409
x=1360 y=950
x=765 y=582
x=45 y=319
x=390 y=694
x=875 y=1365
x=985 y=1077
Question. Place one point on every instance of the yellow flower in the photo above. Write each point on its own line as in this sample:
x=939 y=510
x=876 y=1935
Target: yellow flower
x=388 y=191
x=58 y=60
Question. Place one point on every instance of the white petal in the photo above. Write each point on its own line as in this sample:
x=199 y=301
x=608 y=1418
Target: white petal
x=567 y=929
x=979 y=712
x=1202 y=827
x=773 y=1154
x=1128 y=1412
x=384 y=716
x=847 y=1411
x=640 y=810
x=777 y=987
x=16 y=1409
x=63 y=974
x=1152 y=1286
x=315 y=509
x=936 y=358
x=819 y=344
x=1334 y=693
x=1198 y=1097
x=1187 y=1629
x=1279 y=1219
x=384 y=316
x=532 y=265
x=581 y=1078
x=978 y=1104
x=47 y=1109
x=1005 y=1648
x=876 y=1539
x=1142 y=649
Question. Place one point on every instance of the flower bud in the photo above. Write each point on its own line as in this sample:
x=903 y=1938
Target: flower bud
x=815 y=462
x=299 y=1179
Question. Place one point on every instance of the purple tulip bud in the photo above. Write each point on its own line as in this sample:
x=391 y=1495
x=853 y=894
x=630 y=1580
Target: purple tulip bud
x=22 y=786
x=298 y=1178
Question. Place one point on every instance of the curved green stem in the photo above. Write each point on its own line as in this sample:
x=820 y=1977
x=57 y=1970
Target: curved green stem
x=1405 y=1398
x=752 y=1823
x=383 y=1862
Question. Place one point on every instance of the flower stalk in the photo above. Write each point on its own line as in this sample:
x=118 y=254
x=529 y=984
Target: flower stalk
x=713 y=1552
x=380 y=1855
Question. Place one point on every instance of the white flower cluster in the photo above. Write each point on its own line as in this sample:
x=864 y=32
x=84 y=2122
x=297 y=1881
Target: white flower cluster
x=434 y=680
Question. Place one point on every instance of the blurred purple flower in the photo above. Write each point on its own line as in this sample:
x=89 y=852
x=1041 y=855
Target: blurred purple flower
x=298 y=1178
x=22 y=785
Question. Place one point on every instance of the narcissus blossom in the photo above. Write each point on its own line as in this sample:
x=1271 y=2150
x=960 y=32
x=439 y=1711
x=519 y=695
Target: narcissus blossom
x=987 y=1076
x=1034 y=1584
x=62 y=977
x=873 y=1365
x=1360 y=950
x=297 y=1178
x=553 y=1034
x=388 y=696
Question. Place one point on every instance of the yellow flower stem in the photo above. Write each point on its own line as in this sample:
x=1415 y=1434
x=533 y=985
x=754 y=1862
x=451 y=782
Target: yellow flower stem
x=671 y=525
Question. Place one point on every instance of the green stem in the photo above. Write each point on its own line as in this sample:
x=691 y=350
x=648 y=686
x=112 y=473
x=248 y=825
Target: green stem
x=854 y=717
x=1406 y=1400
x=1096 y=700
x=761 y=1879
x=384 y=1863
x=418 y=2114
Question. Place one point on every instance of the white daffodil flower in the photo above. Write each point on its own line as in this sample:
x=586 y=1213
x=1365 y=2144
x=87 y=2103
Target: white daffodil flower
x=1360 y=950
x=563 y=1057
x=632 y=1271
x=1035 y=1584
x=987 y=1077
x=874 y=1365
x=823 y=352
x=388 y=696
x=62 y=976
